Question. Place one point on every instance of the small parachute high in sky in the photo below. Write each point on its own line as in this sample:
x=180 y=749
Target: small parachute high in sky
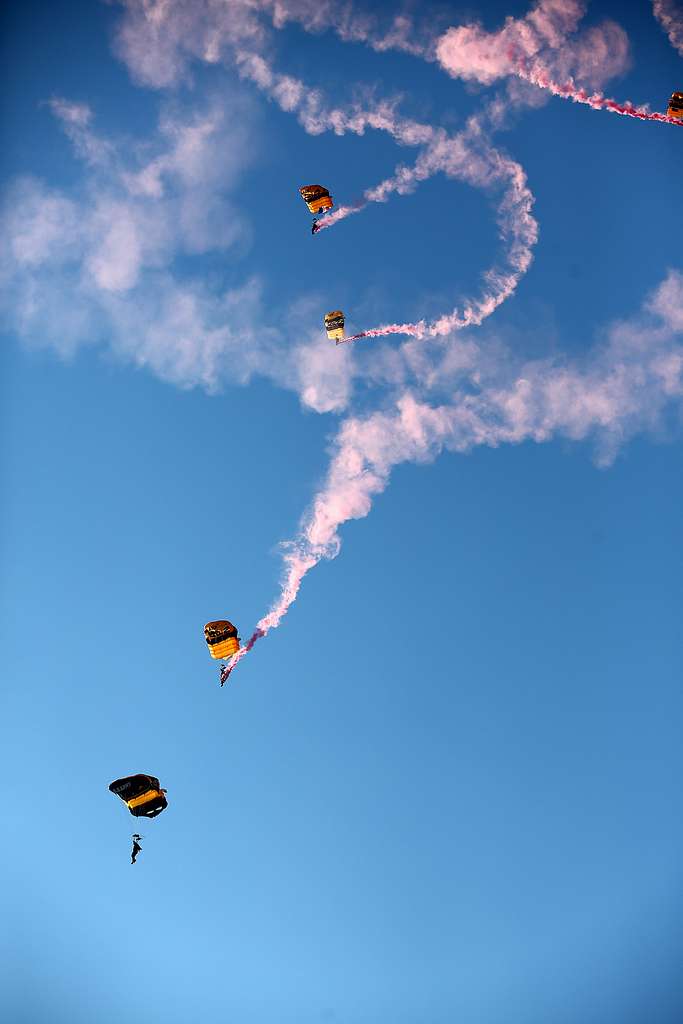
x=675 y=108
x=334 y=325
x=317 y=198
x=141 y=794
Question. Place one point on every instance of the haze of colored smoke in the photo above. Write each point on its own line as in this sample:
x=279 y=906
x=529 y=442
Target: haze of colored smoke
x=623 y=386
x=469 y=52
x=607 y=398
x=541 y=50
x=670 y=17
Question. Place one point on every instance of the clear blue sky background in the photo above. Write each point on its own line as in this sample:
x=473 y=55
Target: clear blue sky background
x=448 y=787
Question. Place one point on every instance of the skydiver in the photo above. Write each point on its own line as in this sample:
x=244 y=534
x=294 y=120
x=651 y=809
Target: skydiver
x=316 y=227
x=136 y=847
x=225 y=672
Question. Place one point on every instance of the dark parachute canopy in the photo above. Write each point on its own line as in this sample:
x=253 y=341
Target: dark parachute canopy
x=221 y=638
x=142 y=795
x=317 y=198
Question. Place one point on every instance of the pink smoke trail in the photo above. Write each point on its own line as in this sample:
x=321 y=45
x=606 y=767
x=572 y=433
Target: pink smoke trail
x=540 y=77
x=623 y=386
x=244 y=650
x=298 y=563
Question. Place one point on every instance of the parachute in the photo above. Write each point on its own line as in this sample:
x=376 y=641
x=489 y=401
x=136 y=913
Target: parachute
x=141 y=794
x=675 y=108
x=334 y=325
x=221 y=638
x=317 y=198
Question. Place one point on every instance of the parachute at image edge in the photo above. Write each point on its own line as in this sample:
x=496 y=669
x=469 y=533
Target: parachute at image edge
x=142 y=795
x=334 y=325
x=221 y=639
x=675 y=108
x=317 y=198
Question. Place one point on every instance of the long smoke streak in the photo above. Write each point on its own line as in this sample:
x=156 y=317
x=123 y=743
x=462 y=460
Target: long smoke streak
x=568 y=90
x=542 y=47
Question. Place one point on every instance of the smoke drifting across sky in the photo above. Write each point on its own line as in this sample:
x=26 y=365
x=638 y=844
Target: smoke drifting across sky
x=113 y=248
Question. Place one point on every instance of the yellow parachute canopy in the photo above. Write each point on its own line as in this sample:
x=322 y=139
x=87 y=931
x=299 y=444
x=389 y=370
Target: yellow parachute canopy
x=334 y=325
x=317 y=198
x=222 y=639
x=142 y=795
x=675 y=108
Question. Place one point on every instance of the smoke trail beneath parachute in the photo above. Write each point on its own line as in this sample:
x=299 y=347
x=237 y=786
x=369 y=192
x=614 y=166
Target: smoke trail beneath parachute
x=541 y=78
x=299 y=563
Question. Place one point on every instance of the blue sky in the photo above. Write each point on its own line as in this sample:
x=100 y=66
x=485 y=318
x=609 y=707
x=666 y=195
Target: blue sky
x=447 y=786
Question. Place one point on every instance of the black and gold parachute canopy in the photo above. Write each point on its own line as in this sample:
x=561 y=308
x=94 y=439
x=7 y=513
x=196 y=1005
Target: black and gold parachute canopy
x=142 y=794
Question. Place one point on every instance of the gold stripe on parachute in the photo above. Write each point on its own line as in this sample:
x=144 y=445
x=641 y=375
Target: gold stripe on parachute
x=144 y=798
x=316 y=197
x=225 y=649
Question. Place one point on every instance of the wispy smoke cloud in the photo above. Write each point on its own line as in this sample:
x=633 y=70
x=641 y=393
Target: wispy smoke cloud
x=468 y=156
x=670 y=17
x=623 y=386
x=545 y=49
x=100 y=264
x=470 y=52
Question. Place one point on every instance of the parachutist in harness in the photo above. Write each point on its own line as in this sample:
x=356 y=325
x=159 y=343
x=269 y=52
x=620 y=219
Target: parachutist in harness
x=316 y=227
x=225 y=672
x=136 y=847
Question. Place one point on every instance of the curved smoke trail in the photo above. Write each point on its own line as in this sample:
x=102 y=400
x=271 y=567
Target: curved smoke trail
x=467 y=157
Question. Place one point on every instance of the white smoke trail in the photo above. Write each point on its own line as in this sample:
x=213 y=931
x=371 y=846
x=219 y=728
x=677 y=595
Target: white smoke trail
x=467 y=157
